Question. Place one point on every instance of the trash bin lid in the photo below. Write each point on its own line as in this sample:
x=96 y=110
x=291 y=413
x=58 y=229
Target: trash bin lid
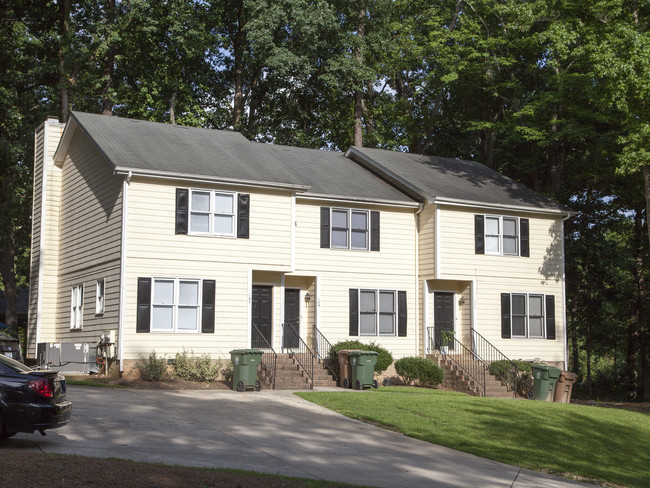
x=243 y=352
x=568 y=376
x=363 y=353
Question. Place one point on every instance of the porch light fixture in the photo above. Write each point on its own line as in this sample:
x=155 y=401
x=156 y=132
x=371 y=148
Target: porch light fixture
x=307 y=297
x=461 y=301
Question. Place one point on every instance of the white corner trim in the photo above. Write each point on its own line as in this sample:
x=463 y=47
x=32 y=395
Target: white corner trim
x=564 y=324
x=437 y=243
x=249 y=312
x=41 y=242
x=123 y=253
x=292 y=257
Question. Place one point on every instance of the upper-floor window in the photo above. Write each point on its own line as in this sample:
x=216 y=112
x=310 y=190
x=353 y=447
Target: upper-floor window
x=76 y=306
x=502 y=235
x=212 y=213
x=346 y=228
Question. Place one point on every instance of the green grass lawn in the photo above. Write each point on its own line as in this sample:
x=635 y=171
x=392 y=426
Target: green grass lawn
x=600 y=443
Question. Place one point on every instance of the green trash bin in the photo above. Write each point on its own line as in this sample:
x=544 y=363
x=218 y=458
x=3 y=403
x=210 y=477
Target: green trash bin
x=362 y=366
x=244 y=369
x=545 y=381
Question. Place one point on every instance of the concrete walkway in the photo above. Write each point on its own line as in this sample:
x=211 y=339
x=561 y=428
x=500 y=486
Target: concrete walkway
x=269 y=431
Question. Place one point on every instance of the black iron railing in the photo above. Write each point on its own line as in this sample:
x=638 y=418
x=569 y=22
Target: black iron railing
x=460 y=356
x=324 y=350
x=269 y=356
x=294 y=344
x=499 y=365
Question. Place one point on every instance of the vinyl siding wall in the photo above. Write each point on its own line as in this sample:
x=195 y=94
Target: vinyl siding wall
x=542 y=272
x=154 y=250
x=45 y=220
x=90 y=241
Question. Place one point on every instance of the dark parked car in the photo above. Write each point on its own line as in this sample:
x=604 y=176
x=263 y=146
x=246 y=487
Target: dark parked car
x=30 y=400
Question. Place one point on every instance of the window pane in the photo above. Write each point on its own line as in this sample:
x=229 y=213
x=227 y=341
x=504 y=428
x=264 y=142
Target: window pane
x=509 y=245
x=223 y=203
x=535 y=302
x=519 y=304
x=519 y=326
x=163 y=292
x=367 y=302
x=386 y=302
x=386 y=324
x=339 y=238
x=367 y=324
x=509 y=227
x=223 y=224
x=163 y=318
x=200 y=201
x=492 y=225
x=187 y=318
x=188 y=293
x=492 y=244
x=340 y=219
x=360 y=220
x=200 y=223
x=535 y=326
x=359 y=240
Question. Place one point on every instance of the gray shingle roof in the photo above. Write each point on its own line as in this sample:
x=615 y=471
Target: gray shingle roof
x=436 y=179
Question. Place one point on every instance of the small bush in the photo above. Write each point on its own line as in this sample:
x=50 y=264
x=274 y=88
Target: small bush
x=384 y=357
x=190 y=368
x=153 y=368
x=502 y=370
x=421 y=370
x=226 y=371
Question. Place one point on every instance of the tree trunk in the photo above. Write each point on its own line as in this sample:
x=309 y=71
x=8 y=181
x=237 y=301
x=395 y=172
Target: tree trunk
x=172 y=103
x=63 y=79
x=646 y=177
x=358 y=93
x=7 y=269
x=109 y=66
x=238 y=38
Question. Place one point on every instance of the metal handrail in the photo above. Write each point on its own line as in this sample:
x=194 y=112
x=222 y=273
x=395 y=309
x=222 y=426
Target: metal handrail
x=465 y=359
x=269 y=356
x=490 y=354
x=324 y=349
x=302 y=353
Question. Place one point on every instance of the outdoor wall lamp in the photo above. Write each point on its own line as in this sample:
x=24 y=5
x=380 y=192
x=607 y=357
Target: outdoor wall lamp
x=307 y=297
x=461 y=301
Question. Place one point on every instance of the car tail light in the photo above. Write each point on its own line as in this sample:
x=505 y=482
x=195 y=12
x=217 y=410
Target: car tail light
x=42 y=387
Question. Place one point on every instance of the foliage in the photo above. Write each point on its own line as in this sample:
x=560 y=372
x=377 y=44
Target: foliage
x=384 y=357
x=153 y=368
x=192 y=368
x=418 y=369
x=598 y=443
x=503 y=371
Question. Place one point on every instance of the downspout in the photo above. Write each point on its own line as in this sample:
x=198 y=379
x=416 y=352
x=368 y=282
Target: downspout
x=417 y=279
x=125 y=214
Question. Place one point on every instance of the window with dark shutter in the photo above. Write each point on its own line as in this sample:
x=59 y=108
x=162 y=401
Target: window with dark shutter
x=243 y=213
x=401 y=314
x=479 y=234
x=354 y=312
x=505 y=315
x=144 y=305
x=207 y=311
x=374 y=231
x=524 y=236
x=182 y=210
x=550 y=317
x=325 y=227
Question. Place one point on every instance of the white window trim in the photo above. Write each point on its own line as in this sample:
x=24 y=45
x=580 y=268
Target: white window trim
x=500 y=252
x=527 y=316
x=349 y=212
x=76 y=309
x=176 y=305
x=378 y=312
x=211 y=213
x=100 y=298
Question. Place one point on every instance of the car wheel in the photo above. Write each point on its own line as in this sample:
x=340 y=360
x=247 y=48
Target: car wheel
x=3 y=430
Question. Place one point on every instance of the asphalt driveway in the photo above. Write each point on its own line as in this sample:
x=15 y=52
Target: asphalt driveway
x=268 y=431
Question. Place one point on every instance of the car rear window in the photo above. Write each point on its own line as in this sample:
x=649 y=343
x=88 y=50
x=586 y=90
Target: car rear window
x=8 y=365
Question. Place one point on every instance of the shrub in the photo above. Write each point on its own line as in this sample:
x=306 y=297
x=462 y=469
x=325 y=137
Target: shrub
x=226 y=371
x=153 y=368
x=502 y=370
x=191 y=368
x=422 y=370
x=384 y=357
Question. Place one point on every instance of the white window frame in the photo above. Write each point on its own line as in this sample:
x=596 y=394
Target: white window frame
x=100 y=296
x=500 y=235
x=76 y=306
x=349 y=230
x=527 y=315
x=175 y=306
x=377 y=313
x=211 y=213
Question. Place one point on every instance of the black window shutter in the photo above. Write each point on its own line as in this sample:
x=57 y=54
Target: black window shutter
x=182 y=210
x=479 y=234
x=374 y=231
x=550 y=317
x=401 y=314
x=524 y=237
x=144 y=305
x=354 y=312
x=207 y=313
x=325 y=227
x=505 y=315
x=243 y=212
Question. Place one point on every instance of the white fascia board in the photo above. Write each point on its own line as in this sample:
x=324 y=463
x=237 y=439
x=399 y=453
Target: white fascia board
x=500 y=207
x=357 y=200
